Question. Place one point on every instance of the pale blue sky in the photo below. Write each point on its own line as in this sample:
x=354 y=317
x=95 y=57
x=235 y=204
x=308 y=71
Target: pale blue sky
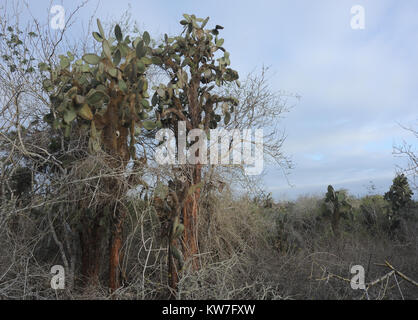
x=355 y=85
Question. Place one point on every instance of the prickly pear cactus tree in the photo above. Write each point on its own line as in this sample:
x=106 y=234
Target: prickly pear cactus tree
x=400 y=193
x=338 y=205
x=196 y=63
x=107 y=95
x=400 y=198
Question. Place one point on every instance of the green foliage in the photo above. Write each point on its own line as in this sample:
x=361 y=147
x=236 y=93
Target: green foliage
x=337 y=199
x=373 y=213
x=194 y=67
x=82 y=90
x=400 y=193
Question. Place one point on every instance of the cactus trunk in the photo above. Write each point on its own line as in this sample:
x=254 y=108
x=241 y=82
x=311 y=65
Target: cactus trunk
x=190 y=221
x=115 y=252
x=336 y=222
x=91 y=239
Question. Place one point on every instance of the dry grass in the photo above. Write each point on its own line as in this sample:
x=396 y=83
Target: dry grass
x=246 y=252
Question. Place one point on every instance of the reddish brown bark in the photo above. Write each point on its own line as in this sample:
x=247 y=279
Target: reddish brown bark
x=115 y=253
x=114 y=139
x=190 y=221
x=190 y=201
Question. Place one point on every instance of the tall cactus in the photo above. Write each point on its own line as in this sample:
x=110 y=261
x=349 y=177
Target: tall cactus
x=400 y=193
x=400 y=198
x=337 y=200
x=107 y=94
x=195 y=68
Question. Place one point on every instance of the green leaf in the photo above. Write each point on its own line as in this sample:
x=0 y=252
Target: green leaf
x=154 y=99
x=136 y=41
x=64 y=62
x=116 y=57
x=70 y=115
x=145 y=86
x=91 y=58
x=47 y=84
x=177 y=254
x=122 y=85
x=146 y=37
x=145 y=103
x=118 y=33
x=43 y=66
x=143 y=115
x=141 y=66
x=99 y=25
x=146 y=60
x=220 y=42
x=67 y=131
x=140 y=49
x=204 y=22
x=149 y=125
x=340 y=197
x=85 y=112
x=85 y=68
x=124 y=49
x=70 y=93
x=157 y=60
x=70 y=56
x=137 y=130
x=94 y=96
x=106 y=49
x=97 y=36
x=179 y=230
x=79 y=99
x=113 y=72
x=227 y=118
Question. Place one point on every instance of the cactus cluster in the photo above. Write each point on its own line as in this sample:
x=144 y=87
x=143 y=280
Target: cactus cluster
x=107 y=94
x=194 y=70
x=81 y=90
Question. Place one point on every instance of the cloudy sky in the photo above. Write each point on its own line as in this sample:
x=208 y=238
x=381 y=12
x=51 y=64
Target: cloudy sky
x=356 y=86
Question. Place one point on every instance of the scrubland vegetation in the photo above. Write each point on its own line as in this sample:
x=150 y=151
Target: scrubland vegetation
x=247 y=250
